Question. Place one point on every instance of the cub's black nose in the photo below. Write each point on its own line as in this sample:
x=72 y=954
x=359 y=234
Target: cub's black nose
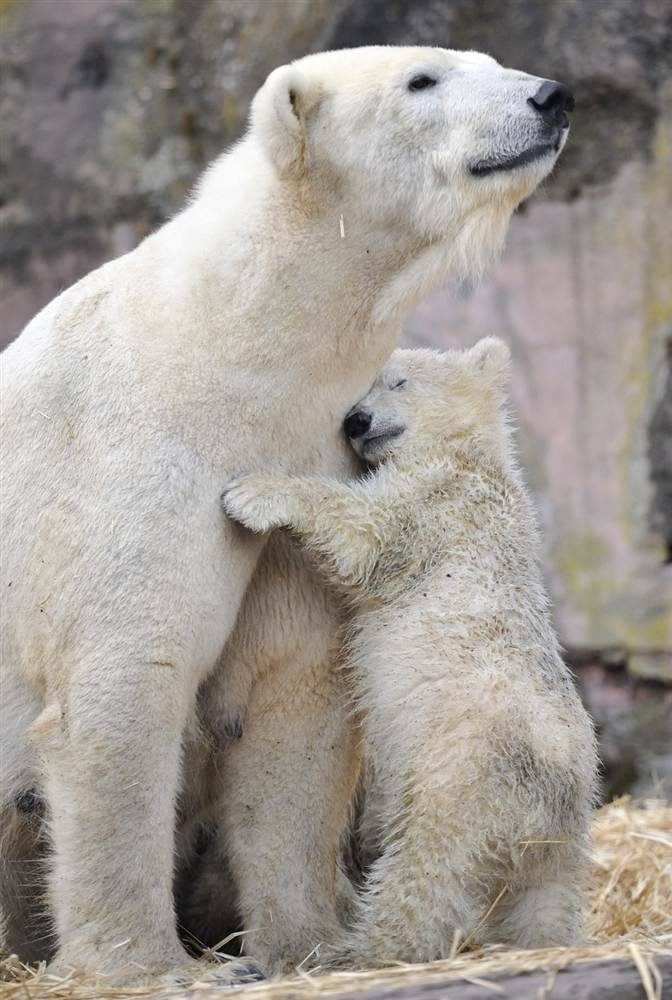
x=553 y=100
x=356 y=424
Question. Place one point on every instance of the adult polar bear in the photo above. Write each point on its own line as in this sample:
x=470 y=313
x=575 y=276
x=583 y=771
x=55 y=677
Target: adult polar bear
x=234 y=338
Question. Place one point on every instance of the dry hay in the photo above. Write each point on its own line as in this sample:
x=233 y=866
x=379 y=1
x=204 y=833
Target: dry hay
x=630 y=917
x=632 y=886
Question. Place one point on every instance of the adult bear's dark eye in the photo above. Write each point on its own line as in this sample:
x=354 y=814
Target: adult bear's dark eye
x=400 y=384
x=422 y=82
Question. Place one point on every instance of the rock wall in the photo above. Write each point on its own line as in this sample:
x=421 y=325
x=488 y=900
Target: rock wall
x=110 y=108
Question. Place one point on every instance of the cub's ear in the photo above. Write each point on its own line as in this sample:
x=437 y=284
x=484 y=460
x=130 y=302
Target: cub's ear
x=492 y=357
x=278 y=116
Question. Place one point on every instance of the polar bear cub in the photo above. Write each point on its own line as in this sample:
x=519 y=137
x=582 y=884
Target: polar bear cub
x=484 y=757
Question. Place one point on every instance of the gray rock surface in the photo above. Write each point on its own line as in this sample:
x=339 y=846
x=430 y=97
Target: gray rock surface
x=633 y=719
x=110 y=109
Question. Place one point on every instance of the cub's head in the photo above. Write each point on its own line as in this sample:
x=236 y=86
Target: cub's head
x=428 y=138
x=424 y=402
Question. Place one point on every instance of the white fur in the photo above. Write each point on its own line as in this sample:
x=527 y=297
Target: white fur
x=483 y=757
x=232 y=339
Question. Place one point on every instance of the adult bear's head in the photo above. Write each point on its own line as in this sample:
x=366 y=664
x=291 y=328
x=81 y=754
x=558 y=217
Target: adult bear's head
x=439 y=144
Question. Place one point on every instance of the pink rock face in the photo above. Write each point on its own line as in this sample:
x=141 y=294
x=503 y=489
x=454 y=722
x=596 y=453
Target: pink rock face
x=583 y=295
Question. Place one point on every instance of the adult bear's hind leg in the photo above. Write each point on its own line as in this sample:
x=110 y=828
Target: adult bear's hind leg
x=289 y=781
x=25 y=927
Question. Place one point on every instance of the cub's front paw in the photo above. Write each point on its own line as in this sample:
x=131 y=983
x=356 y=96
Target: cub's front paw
x=256 y=503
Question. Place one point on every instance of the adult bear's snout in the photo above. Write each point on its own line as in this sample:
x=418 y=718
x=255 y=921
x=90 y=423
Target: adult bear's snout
x=356 y=424
x=553 y=100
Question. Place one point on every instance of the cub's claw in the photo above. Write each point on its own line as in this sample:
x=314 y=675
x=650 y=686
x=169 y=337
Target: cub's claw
x=232 y=727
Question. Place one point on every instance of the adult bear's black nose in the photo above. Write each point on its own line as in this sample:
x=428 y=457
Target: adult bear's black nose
x=357 y=423
x=553 y=100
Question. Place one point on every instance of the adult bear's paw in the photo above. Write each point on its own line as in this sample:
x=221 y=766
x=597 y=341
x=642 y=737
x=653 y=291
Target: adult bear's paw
x=213 y=969
x=213 y=974
x=258 y=502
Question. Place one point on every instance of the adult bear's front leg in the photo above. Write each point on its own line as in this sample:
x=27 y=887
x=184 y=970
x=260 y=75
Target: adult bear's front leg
x=112 y=763
x=112 y=758
x=110 y=739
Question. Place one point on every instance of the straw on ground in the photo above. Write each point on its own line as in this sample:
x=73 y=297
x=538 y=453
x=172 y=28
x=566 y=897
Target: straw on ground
x=629 y=918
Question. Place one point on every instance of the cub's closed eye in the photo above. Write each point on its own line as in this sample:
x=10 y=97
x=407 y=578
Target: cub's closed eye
x=400 y=384
x=422 y=82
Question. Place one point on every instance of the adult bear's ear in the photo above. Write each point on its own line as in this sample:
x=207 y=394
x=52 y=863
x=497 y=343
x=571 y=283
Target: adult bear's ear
x=278 y=117
x=492 y=357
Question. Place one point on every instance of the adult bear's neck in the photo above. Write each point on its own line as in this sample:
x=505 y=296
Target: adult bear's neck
x=267 y=266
